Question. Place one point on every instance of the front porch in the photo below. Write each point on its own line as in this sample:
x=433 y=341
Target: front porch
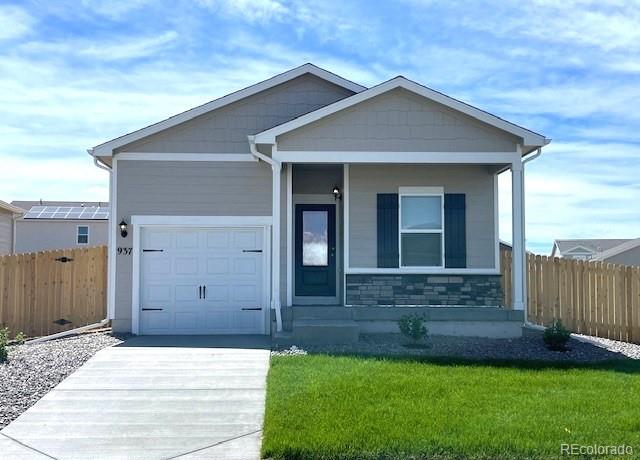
x=322 y=324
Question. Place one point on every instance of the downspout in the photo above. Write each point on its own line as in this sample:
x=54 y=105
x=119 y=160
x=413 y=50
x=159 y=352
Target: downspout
x=275 y=304
x=528 y=324
x=14 y=218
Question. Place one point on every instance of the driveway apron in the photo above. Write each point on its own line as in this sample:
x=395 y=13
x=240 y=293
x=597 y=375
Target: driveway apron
x=145 y=401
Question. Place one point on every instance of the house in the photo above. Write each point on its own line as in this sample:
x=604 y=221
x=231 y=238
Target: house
x=50 y=225
x=312 y=206
x=584 y=249
x=8 y=215
x=627 y=253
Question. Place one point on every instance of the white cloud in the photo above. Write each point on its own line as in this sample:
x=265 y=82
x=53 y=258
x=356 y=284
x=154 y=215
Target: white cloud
x=250 y=10
x=52 y=179
x=15 y=22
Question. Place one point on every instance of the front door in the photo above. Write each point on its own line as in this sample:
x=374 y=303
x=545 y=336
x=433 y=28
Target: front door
x=315 y=250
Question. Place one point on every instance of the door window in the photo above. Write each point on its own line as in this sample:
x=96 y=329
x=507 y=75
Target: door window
x=315 y=245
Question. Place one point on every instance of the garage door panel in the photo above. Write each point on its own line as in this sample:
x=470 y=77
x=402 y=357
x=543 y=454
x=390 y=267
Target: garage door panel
x=246 y=240
x=218 y=238
x=213 y=257
x=186 y=320
x=187 y=240
x=217 y=265
x=186 y=266
x=245 y=265
x=155 y=293
x=186 y=293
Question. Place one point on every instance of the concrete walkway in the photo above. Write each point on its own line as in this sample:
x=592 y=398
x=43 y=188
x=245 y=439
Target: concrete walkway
x=188 y=400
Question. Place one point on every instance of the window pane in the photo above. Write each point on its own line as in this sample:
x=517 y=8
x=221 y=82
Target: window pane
x=421 y=212
x=83 y=230
x=421 y=249
x=83 y=239
x=315 y=246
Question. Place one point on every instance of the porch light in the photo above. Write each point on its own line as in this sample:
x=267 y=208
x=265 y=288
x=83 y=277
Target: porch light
x=336 y=192
x=123 y=228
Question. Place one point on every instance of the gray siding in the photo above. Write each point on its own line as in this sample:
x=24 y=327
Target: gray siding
x=43 y=235
x=6 y=232
x=225 y=130
x=399 y=121
x=630 y=257
x=183 y=189
x=366 y=181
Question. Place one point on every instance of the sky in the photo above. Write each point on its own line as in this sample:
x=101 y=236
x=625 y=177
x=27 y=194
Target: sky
x=75 y=73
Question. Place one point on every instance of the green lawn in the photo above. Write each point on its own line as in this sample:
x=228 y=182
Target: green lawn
x=325 y=407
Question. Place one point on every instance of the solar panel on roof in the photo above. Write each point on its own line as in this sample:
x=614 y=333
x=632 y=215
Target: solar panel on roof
x=68 y=212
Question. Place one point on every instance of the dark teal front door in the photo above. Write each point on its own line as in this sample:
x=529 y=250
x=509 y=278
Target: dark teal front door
x=315 y=250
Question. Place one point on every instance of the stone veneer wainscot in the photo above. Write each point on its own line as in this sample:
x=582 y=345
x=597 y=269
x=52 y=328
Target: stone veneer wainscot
x=410 y=289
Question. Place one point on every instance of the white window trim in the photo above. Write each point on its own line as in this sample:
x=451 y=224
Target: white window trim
x=420 y=191
x=78 y=235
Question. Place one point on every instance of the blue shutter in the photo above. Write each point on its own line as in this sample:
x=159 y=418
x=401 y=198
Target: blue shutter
x=455 y=231
x=388 y=253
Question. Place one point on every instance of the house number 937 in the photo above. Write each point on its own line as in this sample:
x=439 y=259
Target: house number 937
x=124 y=251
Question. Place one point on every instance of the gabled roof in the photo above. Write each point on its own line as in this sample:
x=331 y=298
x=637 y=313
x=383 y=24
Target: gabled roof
x=106 y=149
x=11 y=208
x=619 y=249
x=531 y=139
x=591 y=245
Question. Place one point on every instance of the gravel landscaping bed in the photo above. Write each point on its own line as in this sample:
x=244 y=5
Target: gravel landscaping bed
x=32 y=370
x=525 y=348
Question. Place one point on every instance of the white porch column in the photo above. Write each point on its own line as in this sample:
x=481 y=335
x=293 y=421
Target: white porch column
x=518 y=249
x=275 y=244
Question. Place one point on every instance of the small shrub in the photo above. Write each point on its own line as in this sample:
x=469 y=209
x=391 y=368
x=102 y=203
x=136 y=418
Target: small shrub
x=412 y=327
x=4 y=341
x=556 y=336
x=20 y=338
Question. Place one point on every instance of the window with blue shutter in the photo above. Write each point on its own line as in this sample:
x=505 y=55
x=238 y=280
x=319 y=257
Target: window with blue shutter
x=388 y=254
x=455 y=231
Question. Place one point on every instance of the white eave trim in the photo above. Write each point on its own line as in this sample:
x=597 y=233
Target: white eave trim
x=106 y=149
x=396 y=157
x=530 y=138
x=145 y=156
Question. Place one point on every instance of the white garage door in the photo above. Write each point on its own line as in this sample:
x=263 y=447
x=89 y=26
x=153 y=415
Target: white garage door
x=202 y=281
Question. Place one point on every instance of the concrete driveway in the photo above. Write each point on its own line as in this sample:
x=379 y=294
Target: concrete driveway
x=152 y=398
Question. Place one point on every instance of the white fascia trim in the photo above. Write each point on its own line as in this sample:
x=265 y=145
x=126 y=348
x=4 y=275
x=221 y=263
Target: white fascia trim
x=144 y=156
x=529 y=137
x=421 y=271
x=396 y=157
x=202 y=221
x=106 y=149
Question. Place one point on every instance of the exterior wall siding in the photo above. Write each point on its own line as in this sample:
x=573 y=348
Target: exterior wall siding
x=403 y=289
x=175 y=188
x=44 y=235
x=476 y=182
x=630 y=257
x=225 y=130
x=6 y=232
x=399 y=121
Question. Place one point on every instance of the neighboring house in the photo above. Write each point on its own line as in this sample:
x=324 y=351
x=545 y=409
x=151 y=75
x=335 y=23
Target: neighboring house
x=49 y=225
x=8 y=216
x=584 y=249
x=627 y=253
x=284 y=206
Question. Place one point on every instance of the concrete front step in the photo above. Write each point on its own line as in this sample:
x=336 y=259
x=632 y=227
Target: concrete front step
x=322 y=312
x=325 y=331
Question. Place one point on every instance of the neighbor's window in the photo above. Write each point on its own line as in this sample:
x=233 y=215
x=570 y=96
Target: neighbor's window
x=421 y=230
x=83 y=234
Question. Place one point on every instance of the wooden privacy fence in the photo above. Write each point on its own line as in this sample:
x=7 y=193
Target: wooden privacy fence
x=593 y=298
x=42 y=293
